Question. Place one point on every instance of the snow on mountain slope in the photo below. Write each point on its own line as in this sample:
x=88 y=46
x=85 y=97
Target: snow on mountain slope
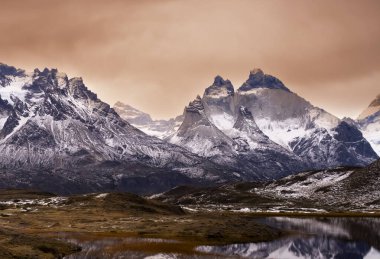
x=219 y=103
x=158 y=128
x=369 y=123
x=278 y=124
x=54 y=123
x=200 y=136
x=334 y=189
x=331 y=190
x=317 y=136
x=243 y=147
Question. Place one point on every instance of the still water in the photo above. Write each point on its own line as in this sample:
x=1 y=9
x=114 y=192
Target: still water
x=328 y=237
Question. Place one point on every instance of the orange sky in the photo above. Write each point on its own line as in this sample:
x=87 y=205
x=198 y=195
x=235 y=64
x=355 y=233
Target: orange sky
x=158 y=55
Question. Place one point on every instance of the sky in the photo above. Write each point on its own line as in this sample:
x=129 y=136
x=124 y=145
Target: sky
x=157 y=55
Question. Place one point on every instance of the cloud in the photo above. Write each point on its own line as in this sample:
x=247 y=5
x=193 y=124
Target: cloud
x=151 y=53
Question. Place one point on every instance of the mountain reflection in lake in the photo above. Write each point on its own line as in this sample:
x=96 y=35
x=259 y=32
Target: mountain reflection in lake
x=311 y=238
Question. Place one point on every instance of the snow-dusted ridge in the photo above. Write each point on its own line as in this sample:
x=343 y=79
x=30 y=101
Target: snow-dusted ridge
x=55 y=124
x=57 y=135
x=309 y=133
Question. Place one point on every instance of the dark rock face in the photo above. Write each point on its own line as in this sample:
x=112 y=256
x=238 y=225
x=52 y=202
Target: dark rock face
x=353 y=139
x=195 y=106
x=54 y=129
x=345 y=146
x=219 y=98
x=347 y=133
x=6 y=71
x=218 y=86
x=278 y=122
x=33 y=136
x=244 y=114
x=257 y=79
x=244 y=148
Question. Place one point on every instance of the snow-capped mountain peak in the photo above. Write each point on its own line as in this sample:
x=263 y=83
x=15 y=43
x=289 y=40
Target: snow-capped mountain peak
x=131 y=114
x=141 y=120
x=54 y=130
x=265 y=119
x=196 y=105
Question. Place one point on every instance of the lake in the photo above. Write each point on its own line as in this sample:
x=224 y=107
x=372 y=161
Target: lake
x=323 y=237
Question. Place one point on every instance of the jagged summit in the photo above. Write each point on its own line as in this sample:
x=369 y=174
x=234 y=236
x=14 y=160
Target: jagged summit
x=195 y=106
x=235 y=143
x=303 y=130
x=8 y=71
x=55 y=132
x=220 y=88
x=257 y=79
x=219 y=81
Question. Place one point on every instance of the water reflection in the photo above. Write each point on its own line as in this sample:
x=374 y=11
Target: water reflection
x=313 y=247
x=314 y=238
x=318 y=238
x=112 y=247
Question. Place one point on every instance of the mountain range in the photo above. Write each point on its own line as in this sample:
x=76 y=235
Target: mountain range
x=57 y=135
x=263 y=114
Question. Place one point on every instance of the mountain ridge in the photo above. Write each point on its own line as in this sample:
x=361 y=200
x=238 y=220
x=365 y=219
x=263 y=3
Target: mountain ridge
x=309 y=132
x=54 y=124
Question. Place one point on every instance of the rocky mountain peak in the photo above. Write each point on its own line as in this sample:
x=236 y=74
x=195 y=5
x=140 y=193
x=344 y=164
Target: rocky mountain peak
x=195 y=106
x=8 y=71
x=219 y=81
x=258 y=79
x=256 y=72
x=220 y=88
x=79 y=90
